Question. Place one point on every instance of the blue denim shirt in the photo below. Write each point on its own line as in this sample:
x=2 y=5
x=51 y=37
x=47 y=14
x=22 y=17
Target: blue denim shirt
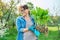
x=21 y=24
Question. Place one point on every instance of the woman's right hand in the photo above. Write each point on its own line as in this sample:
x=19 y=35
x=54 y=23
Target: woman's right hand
x=25 y=30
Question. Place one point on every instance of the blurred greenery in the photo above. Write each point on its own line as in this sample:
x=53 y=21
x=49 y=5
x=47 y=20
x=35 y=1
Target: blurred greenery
x=11 y=34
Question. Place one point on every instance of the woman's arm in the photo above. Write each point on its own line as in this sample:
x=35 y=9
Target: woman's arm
x=19 y=26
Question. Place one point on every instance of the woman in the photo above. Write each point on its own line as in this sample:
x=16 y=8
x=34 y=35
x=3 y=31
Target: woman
x=24 y=24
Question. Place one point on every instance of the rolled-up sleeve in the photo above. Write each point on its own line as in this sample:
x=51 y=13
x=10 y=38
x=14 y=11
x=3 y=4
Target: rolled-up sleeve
x=19 y=25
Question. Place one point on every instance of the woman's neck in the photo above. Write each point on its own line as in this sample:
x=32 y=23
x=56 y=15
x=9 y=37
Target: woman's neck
x=27 y=17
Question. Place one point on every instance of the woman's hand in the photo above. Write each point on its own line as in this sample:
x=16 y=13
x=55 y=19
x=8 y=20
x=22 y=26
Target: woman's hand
x=25 y=30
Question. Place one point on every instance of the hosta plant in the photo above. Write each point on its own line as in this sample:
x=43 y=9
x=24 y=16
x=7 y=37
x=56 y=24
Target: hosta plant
x=40 y=15
x=41 y=18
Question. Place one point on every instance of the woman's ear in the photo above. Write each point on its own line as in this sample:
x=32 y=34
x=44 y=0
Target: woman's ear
x=29 y=10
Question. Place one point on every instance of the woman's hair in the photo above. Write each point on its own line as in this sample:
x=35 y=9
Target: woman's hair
x=22 y=6
x=25 y=7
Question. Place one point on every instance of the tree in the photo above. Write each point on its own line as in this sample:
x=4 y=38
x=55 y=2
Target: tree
x=8 y=13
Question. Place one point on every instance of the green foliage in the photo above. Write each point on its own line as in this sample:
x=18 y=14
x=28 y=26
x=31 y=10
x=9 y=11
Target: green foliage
x=40 y=15
x=30 y=5
x=1 y=13
x=8 y=12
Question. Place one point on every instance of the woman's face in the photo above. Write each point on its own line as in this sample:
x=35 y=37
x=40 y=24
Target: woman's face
x=24 y=12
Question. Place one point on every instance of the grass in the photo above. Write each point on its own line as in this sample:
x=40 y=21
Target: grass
x=53 y=34
x=53 y=28
x=12 y=33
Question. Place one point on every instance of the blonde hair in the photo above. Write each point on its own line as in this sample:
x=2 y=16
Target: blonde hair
x=19 y=6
